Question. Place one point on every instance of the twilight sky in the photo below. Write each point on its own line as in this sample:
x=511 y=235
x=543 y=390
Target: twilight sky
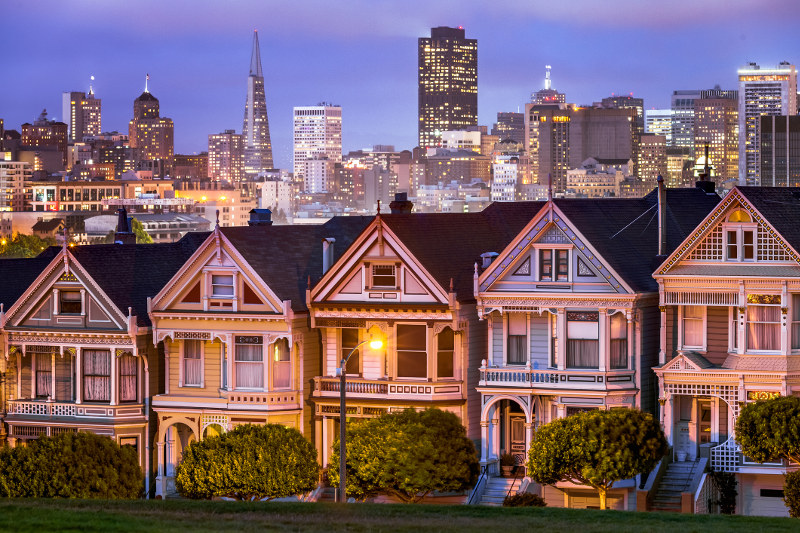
x=362 y=55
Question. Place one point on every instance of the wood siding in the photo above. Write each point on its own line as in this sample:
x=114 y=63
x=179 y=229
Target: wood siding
x=717 y=327
x=497 y=340
x=647 y=349
x=308 y=367
x=473 y=346
x=539 y=349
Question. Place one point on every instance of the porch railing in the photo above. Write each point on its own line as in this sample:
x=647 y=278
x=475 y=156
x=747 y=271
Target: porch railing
x=563 y=379
x=43 y=408
x=360 y=387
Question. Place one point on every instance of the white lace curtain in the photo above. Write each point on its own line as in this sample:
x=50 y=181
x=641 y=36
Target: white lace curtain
x=44 y=375
x=191 y=362
x=692 y=326
x=764 y=327
x=281 y=365
x=96 y=375
x=249 y=362
x=619 y=341
x=127 y=378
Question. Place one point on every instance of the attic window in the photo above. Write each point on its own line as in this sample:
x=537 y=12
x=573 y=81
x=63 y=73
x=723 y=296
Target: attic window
x=384 y=276
x=222 y=285
x=70 y=303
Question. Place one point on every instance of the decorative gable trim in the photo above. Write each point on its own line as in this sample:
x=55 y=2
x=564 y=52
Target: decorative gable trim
x=681 y=362
x=704 y=235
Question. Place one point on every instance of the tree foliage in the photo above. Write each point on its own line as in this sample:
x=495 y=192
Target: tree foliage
x=71 y=465
x=769 y=430
x=21 y=246
x=596 y=448
x=142 y=237
x=250 y=462
x=407 y=454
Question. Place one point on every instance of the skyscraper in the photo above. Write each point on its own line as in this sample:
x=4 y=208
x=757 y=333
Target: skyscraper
x=255 y=131
x=659 y=122
x=716 y=123
x=81 y=113
x=317 y=145
x=762 y=91
x=226 y=156
x=448 y=83
x=510 y=125
x=46 y=133
x=151 y=135
x=548 y=95
x=780 y=157
x=683 y=119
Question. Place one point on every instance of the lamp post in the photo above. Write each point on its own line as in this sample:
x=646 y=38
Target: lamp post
x=376 y=344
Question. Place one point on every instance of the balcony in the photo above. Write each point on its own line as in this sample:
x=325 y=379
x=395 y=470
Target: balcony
x=389 y=389
x=582 y=380
x=43 y=409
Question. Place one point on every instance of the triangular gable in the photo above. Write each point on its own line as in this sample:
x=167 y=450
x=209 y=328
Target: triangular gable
x=684 y=362
x=706 y=243
x=516 y=264
x=216 y=254
x=41 y=305
x=378 y=267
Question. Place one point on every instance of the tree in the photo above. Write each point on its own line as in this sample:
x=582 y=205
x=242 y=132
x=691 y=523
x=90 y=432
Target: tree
x=769 y=430
x=71 y=465
x=250 y=462
x=596 y=448
x=407 y=454
x=21 y=246
x=142 y=237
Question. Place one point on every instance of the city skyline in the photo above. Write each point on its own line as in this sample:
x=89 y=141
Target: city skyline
x=363 y=52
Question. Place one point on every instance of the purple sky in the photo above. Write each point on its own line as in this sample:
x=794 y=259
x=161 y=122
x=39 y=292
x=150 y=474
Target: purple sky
x=362 y=55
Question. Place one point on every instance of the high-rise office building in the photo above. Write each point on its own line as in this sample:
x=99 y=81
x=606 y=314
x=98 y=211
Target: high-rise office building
x=510 y=125
x=659 y=122
x=548 y=95
x=716 y=124
x=255 y=131
x=780 y=150
x=151 y=135
x=448 y=84
x=683 y=118
x=762 y=91
x=637 y=106
x=317 y=145
x=81 y=113
x=44 y=133
x=652 y=159
x=226 y=156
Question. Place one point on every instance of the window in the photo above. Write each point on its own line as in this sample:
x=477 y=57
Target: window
x=547 y=258
x=582 y=342
x=127 y=378
x=763 y=325
x=133 y=442
x=44 y=375
x=249 y=363
x=693 y=326
x=349 y=341
x=412 y=356
x=69 y=302
x=96 y=375
x=517 y=337
x=740 y=238
x=192 y=363
x=445 y=351
x=281 y=365
x=222 y=285
x=619 y=341
x=384 y=276
x=795 y=321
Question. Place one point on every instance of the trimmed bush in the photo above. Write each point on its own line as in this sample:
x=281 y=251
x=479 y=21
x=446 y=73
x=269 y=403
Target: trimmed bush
x=250 y=462
x=524 y=499
x=791 y=493
x=71 y=465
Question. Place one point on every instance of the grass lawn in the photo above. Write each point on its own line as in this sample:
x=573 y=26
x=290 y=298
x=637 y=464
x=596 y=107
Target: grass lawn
x=175 y=515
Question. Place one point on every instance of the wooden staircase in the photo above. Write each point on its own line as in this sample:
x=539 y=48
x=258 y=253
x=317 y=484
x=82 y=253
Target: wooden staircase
x=677 y=479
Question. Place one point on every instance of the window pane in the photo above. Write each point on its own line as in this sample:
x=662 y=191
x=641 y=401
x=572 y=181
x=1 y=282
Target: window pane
x=517 y=354
x=350 y=341
x=732 y=248
x=763 y=327
x=583 y=353
x=192 y=369
x=249 y=366
x=221 y=285
x=444 y=355
x=747 y=244
x=411 y=337
x=562 y=256
x=96 y=375
x=412 y=357
x=383 y=276
x=127 y=378
x=44 y=375
x=795 y=321
x=70 y=302
x=281 y=365
x=545 y=265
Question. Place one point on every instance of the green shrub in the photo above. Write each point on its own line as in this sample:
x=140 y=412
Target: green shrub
x=71 y=465
x=524 y=499
x=725 y=483
x=250 y=462
x=791 y=493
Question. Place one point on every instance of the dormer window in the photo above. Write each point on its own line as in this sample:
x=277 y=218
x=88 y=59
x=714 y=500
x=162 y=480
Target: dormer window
x=70 y=302
x=740 y=237
x=384 y=276
x=553 y=265
x=222 y=285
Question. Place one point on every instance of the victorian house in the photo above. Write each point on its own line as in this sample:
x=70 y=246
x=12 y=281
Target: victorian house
x=730 y=333
x=77 y=345
x=572 y=314
x=408 y=280
x=235 y=329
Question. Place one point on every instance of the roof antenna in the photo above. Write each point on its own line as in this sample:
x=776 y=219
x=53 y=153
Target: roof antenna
x=146 y=79
x=91 y=89
x=549 y=187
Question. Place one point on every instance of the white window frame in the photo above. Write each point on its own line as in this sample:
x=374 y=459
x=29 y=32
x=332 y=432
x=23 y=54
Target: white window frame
x=747 y=322
x=232 y=285
x=733 y=330
x=791 y=322
x=704 y=346
x=272 y=362
x=427 y=352
x=553 y=249
x=395 y=268
x=181 y=375
x=740 y=229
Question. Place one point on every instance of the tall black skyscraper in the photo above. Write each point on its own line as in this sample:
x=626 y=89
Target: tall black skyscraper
x=255 y=131
x=448 y=84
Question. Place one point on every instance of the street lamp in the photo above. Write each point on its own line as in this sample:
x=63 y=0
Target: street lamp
x=376 y=344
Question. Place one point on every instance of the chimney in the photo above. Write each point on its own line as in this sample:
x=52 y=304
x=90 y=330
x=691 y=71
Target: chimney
x=401 y=205
x=123 y=234
x=260 y=217
x=662 y=216
x=487 y=258
x=327 y=253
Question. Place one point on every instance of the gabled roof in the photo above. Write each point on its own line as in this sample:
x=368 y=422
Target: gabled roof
x=449 y=244
x=286 y=256
x=624 y=231
x=780 y=206
x=48 y=225
x=20 y=274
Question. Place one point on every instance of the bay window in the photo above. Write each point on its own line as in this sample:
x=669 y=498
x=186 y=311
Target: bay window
x=192 y=363
x=249 y=362
x=763 y=322
x=619 y=341
x=517 y=354
x=445 y=351
x=281 y=365
x=692 y=322
x=412 y=353
x=582 y=339
x=96 y=375
x=127 y=378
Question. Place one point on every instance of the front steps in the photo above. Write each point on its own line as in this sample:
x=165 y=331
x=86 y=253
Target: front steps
x=497 y=488
x=677 y=479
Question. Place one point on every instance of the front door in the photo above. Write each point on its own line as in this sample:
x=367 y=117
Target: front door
x=517 y=438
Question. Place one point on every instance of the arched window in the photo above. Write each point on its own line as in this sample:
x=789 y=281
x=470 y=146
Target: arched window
x=445 y=354
x=281 y=365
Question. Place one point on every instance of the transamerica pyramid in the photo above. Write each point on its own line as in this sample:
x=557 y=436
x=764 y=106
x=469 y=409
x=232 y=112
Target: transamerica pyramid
x=255 y=131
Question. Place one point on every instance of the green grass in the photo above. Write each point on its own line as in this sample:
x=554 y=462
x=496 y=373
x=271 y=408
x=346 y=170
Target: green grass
x=175 y=515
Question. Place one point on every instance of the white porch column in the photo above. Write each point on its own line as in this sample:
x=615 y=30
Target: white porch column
x=494 y=450
x=561 y=336
x=662 y=340
x=78 y=375
x=631 y=342
x=53 y=375
x=161 y=482
x=113 y=390
x=484 y=441
x=229 y=352
x=528 y=437
x=668 y=422
x=602 y=340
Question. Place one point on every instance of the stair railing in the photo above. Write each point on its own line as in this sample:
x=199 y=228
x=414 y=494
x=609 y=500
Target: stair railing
x=517 y=470
x=476 y=490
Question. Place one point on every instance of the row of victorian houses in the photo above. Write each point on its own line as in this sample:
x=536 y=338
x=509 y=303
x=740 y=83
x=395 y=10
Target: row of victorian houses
x=679 y=303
